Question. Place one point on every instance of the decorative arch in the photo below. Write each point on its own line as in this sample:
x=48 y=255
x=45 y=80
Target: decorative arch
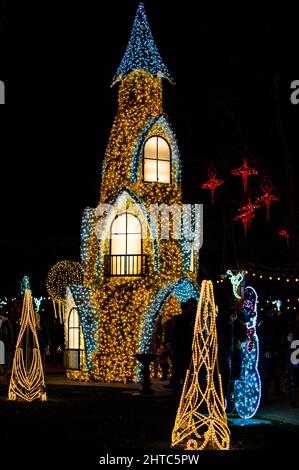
x=157 y=122
x=183 y=289
x=121 y=202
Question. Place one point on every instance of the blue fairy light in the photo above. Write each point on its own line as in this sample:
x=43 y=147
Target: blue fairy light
x=248 y=386
x=141 y=52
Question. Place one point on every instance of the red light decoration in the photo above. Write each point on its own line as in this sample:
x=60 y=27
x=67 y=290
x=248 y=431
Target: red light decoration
x=246 y=214
x=284 y=234
x=245 y=170
x=213 y=182
x=267 y=197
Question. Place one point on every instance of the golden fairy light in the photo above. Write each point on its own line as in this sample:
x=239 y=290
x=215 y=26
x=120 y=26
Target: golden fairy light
x=201 y=421
x=27 y=381
x=59 y=277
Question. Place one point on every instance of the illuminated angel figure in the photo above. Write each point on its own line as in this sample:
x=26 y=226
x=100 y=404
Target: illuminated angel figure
x=212 y=183
x=248 y=386
x=236 y=280
x=27 y=381
x=245 y=170
x=201 y=419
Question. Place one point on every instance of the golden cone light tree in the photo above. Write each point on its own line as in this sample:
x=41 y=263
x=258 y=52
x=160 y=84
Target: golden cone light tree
x=27 y=381
x=201 y=421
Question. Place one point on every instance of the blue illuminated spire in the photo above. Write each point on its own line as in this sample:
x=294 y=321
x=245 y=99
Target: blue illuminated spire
x=141 y=52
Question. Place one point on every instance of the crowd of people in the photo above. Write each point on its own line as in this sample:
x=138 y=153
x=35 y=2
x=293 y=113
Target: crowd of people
x=172 y=343
x=49 y=331
x=276 y=330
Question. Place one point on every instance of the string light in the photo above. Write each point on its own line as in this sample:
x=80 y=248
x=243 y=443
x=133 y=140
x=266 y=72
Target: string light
x=27 y=381
x=248 y=386
x=201 y=419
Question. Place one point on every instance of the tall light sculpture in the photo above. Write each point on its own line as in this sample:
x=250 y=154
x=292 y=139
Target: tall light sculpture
x=27 y=381
x=248 y=386
x=201 y=421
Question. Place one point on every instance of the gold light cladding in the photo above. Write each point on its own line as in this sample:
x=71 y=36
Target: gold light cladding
x=27 y=381
x=201 y=421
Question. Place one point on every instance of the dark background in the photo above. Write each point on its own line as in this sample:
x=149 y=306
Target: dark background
x=233 y=72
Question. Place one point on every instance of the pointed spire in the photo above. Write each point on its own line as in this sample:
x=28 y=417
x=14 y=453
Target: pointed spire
x=141 y=52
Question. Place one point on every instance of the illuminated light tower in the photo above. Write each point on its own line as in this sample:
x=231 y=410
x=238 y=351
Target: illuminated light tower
x=27 y=381
x=130 y=271
x=201 y=421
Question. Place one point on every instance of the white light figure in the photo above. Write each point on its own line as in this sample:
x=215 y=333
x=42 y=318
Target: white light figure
x=236 y=280
x=248 y=386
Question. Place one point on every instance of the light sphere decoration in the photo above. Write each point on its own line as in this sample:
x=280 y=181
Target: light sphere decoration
x=201 y=421
x=61 y=275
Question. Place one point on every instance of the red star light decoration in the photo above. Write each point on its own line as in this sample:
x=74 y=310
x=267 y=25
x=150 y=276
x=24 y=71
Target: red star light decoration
x=212 y=183
x=245 y=170
x=246 y=214
x=267 y=197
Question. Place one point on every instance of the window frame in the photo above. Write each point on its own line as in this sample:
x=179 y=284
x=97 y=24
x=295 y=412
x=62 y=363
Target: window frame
x=74 y=328
x=126 y=234
x=157 y=160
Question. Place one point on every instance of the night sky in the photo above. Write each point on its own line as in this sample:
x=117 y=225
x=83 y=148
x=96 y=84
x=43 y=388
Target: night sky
x=58 y=62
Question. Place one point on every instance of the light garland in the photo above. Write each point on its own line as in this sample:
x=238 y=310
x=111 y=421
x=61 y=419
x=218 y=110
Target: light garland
x=27 y=381
x=248 y=386
x=201 y=419
x=263 y=275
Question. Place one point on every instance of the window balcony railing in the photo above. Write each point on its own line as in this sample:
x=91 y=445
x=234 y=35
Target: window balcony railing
x=73 y=358
x=125 y=265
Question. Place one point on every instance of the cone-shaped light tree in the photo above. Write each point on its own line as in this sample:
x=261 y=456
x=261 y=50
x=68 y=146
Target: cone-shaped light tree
x=201 y=421
x=27 y=381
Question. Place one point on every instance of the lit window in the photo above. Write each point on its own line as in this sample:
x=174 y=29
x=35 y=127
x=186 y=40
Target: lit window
x=157 y=160
x=74 y=330
x=126 y=246
x=73 y=355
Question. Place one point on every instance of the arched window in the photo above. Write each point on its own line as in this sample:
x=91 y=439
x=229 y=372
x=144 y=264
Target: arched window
x=73 y=355
x=126 y=257
x=74 y=335
x=157 y=160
